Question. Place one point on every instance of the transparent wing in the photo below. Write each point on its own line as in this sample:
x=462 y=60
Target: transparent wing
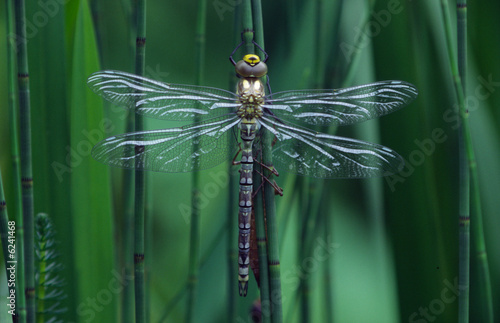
x=343 y=106
x=301 y=151
x=201 y=145
x=161 y=100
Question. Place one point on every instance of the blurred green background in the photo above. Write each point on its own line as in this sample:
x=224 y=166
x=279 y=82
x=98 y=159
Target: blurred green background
x=391 y=264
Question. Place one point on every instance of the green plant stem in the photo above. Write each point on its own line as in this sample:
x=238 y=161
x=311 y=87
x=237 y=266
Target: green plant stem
x=304 y=234
x=148 y=211
x=270 y=207
x=14 y=135
x=478 y=232
x=260 y=227
x=232 y=212
x=194 y=246
x=127 y=300
x=311 y=189
x=200 y=41
x=332 y=68
x=258 y=23
x=127 y=303
x=260 y=209
x=312 y=197
x=247 y=23
x=26 y=163
x=329 y=304
x=467 y=164
x=140 y=312
x=464 y=194
x=258 y=206
x=318 y=26
x=273 y=241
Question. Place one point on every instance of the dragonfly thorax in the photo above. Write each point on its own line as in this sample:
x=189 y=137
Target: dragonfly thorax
x=251 y=92
x=249 y=112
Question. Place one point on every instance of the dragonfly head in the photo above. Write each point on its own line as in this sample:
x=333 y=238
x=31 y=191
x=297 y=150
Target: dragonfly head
x=251 y=66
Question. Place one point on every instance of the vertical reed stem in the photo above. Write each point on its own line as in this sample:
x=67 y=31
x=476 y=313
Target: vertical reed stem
x=270 y=207
x=467 y=163
x=26 y=163
x=14 y=135
x=194 y=246
x=464 y=181
x=232 y=199
x=140 y=311
x=466 y=152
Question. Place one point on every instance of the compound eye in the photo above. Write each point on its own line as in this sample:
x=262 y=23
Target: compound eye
x=260 y=69
x=243 y=69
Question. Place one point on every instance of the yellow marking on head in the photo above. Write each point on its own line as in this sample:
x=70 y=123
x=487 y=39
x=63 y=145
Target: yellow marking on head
x=251 y=59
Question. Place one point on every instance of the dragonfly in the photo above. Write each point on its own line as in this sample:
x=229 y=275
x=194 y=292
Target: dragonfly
x=220 y=114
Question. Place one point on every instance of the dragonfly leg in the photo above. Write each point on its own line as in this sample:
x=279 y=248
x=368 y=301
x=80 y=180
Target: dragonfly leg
x=277 y=190
x=269 y=87
x=239 y=45
x=231 y=59
x=262 y=50
x=273 y=170
x=237 y=162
